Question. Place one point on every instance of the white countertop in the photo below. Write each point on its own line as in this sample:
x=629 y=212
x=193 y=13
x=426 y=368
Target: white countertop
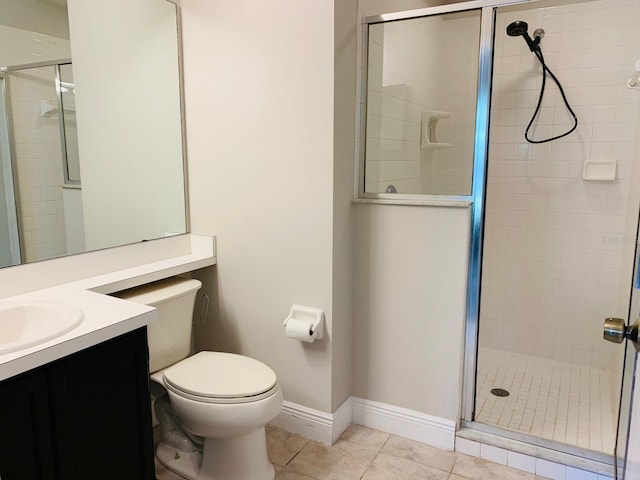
x=105 y=317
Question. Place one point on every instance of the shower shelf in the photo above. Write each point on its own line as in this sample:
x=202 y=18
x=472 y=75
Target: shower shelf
x=428 y=125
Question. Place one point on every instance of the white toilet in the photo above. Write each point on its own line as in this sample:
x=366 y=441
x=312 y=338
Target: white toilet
x=219 y=403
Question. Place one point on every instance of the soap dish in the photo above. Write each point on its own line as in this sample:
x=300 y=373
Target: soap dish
x=599 y=170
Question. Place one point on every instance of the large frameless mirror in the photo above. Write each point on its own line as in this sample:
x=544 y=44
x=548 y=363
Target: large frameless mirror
x=91 y=141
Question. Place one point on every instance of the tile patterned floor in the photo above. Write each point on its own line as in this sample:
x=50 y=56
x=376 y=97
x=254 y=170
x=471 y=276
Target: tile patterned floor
x=550 y=399
x=365 y=454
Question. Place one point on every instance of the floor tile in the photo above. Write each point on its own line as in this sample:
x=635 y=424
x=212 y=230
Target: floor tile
x=283 y=446
x=478 y=469
x=284 y=475
x=164 y=474
x=547 y=398
x=398 y=459
x=365 y=436
x=343 y=461
x=388 y=467
x=420 y=453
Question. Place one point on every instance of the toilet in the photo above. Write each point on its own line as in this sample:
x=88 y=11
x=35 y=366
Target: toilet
x=212 y=407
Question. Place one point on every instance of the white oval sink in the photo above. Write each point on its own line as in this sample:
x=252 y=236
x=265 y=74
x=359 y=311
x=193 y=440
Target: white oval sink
x=27 y=323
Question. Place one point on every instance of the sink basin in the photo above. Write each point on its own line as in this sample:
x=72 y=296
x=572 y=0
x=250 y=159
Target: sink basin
x=25 y=323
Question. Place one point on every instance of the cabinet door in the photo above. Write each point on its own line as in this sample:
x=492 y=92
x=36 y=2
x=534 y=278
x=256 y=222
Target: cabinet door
x=25 y=437
x=101 y=414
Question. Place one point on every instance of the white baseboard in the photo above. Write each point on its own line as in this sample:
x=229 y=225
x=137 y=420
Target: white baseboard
x=314 y=424
x=342 y=419
x=434 y=431
x=326 y=427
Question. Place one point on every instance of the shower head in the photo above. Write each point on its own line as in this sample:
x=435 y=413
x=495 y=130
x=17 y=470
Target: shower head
x=520 y=28
x=517 y=28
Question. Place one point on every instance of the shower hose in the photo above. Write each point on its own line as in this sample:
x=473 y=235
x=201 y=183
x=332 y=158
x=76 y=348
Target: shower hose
x=545 y=71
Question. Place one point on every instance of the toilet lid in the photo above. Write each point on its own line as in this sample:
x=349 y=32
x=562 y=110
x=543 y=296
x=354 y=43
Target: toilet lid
x=220 y=376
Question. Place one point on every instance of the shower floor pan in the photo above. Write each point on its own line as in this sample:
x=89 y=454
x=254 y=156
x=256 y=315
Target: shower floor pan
x=546 y=398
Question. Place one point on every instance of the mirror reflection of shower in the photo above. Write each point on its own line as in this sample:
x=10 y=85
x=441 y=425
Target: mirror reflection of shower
x=40 y=163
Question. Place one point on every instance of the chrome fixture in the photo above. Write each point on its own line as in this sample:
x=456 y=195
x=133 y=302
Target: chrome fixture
x=616 y=331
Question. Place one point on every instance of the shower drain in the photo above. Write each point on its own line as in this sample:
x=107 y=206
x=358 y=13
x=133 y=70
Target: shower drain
x=499 y=392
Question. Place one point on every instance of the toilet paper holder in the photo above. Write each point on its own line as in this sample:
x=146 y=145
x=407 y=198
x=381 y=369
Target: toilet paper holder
x=314 y=317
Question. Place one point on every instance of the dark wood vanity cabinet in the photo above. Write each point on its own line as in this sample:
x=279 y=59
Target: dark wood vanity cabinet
x=25 y=435
x=86 y=416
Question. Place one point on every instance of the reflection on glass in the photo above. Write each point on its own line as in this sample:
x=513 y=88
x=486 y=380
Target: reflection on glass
x=68 y=126
x=421 y=102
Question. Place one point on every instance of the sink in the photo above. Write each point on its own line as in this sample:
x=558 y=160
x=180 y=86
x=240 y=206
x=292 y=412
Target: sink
x=27 y=323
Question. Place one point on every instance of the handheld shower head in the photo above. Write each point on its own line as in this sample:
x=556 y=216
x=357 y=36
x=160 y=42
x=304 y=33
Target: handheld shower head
x=517 y=28
x=520 y=28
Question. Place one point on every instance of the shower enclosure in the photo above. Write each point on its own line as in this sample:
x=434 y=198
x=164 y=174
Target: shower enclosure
x=451 y=93
x=40 y=212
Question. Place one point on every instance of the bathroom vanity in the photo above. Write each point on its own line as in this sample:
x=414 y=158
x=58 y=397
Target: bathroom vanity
x=77 y=406
x=84 y=416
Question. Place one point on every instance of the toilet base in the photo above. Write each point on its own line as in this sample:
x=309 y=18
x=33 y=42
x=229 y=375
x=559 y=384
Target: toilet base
x=184 y=464
x=237 y=458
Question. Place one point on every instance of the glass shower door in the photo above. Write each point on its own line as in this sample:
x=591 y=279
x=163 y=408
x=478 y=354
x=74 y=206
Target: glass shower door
x=559 y=241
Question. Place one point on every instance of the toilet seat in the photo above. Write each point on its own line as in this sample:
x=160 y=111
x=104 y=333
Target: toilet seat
x=217 y=377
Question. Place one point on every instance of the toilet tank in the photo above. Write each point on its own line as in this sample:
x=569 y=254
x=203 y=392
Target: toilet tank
x=170 y=335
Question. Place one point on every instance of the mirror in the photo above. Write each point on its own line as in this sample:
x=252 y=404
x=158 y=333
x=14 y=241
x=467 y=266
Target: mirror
x=91 y=139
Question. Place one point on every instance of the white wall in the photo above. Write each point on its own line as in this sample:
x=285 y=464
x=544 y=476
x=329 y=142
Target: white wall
x=73 y=220
x=128 y=111
x=409 y=298
x=259 y=85
x=409 y=306
x=35 y=16
x=345 y=21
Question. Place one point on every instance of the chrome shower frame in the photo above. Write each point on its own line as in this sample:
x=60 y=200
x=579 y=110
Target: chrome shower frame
x=476 y=203
x=10 y=184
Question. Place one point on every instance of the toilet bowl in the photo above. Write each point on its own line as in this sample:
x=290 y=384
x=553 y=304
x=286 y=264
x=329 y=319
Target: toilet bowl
x=219 y=402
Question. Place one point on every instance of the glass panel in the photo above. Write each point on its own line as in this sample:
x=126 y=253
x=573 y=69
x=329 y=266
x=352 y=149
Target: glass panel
x=69 y=128
x=421 y=101
x=629 y=368
x=559 y=232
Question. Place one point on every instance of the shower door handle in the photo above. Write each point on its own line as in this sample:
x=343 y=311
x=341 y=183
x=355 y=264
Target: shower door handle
x=616 y=331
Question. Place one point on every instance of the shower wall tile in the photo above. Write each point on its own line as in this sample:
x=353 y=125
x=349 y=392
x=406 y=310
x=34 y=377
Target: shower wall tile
x=401 y=86
x=555 y=260
x=36 y=141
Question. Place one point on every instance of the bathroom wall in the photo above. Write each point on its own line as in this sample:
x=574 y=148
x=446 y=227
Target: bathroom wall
x=36 y=16
x=559 y=249
x=132 y=75
x=279 y=206
x=344 y=138
x=409 y=298
x=38 y=157
x=409 y=306
x=260 y=93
